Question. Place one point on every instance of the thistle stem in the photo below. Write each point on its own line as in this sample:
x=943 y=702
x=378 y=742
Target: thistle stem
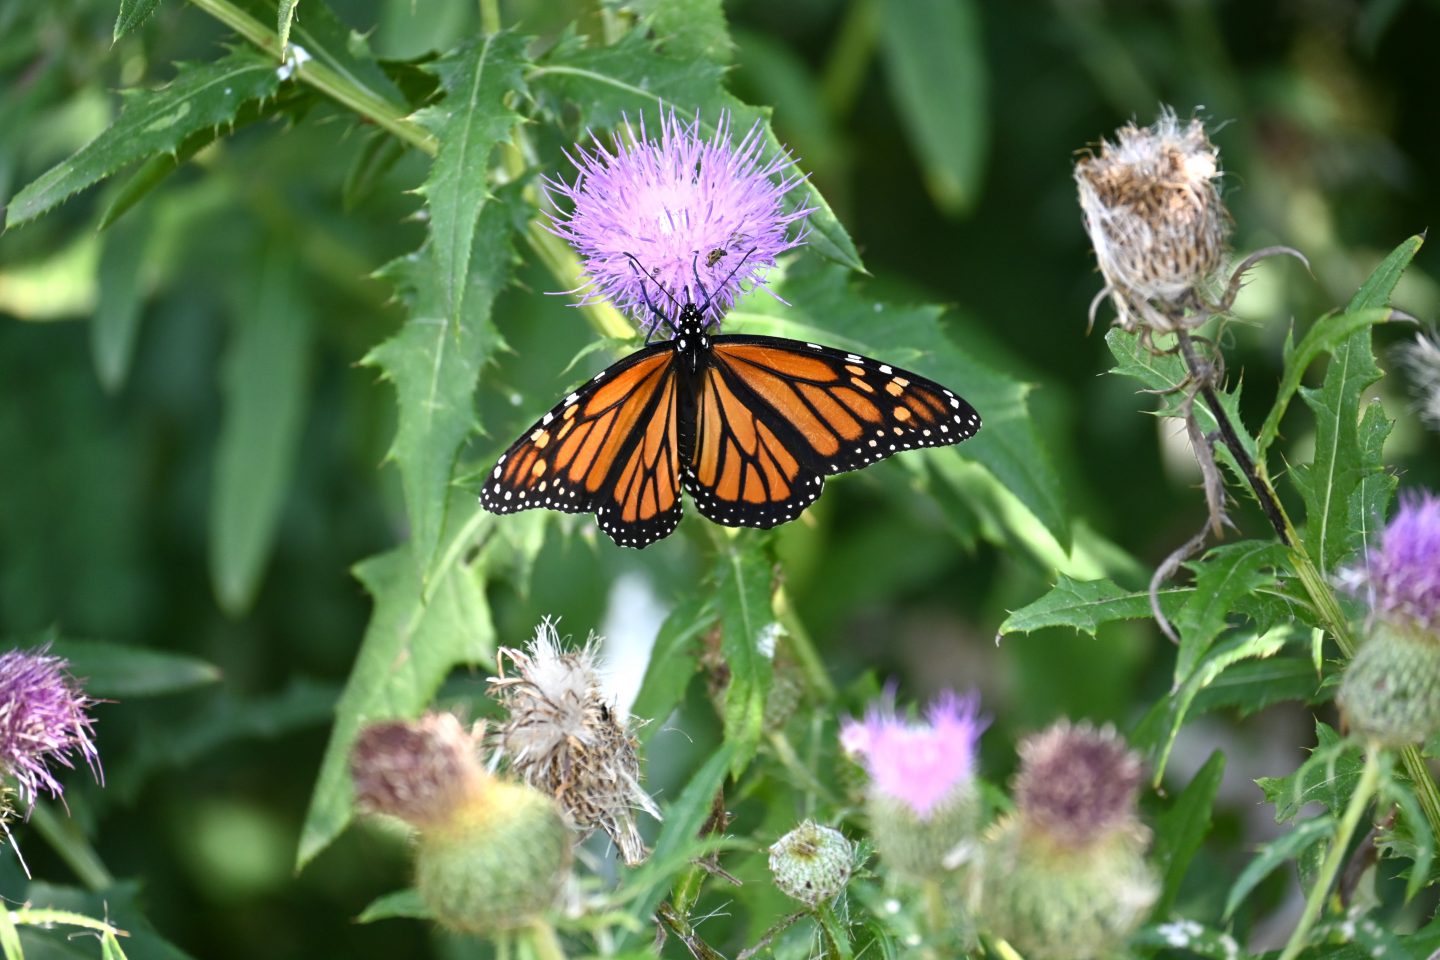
x=546 y=944
x=1263 y=494
x=1359 y=803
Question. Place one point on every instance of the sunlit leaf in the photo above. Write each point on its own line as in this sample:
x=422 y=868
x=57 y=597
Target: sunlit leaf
x=1223 y=577
x=1088 y=605
x=132 y=14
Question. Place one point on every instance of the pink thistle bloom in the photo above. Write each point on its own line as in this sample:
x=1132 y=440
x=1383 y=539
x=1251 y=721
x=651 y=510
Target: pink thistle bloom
x=703 y=218
x=919 y=764
x=1401 y=576
x=42 y=722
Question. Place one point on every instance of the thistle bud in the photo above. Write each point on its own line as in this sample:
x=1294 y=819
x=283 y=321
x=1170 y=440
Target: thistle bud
x=1065 y=876
x=489 y=855
x=1155 y=218
x=811 y=863
x=922 y=800
x=565 y=738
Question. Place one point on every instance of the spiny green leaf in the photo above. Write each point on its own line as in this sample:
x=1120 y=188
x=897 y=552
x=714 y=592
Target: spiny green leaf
x=1327 y=777
x=1256 y=684
x=132 y=14
x=1088 y=605
x=1182 y=828
x=329 y=41
x=748 y=633
x=1224 y=576
x=687 y=29
x=673 y=661
x=1410 y=836
x=631 y=78
x=117 y=312
x=408 y=648
x=1272 y=855
x=152 y=122
x=1342 y=463
x=435 y=360
x=263 y=388
x=935 y=58
x=121 y=672
x=826 y=308
x=285 y=16
x=1327 y=333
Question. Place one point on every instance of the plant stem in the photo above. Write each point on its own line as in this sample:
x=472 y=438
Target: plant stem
x=1263 y=494
x=546 y=943
x=1359 y=803
x=384 y=114
x=48 y=917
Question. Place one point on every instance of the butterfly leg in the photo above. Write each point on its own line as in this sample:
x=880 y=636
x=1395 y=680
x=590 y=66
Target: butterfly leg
x=661 y=318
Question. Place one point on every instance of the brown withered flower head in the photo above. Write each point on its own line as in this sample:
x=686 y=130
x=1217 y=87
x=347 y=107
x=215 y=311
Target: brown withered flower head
x=1156 y=221
x=417 y=770
x=563 y=736
x=1077 y=783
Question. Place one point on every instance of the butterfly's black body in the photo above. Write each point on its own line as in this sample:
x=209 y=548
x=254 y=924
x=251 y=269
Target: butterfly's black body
x=749 y=425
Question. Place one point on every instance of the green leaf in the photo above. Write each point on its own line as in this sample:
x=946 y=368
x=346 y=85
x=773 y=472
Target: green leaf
x=1327 y=777
x=10 y=938
x=1256 y=684
x=935 y=58
x=1088 y=605
x=329 y=41
x=114 y=671
x=436 y=358
x=632 y=77
x=1181 y=829
x=121 y=294
x=1157 y=731
x=825 y=308
x=132 y=14
x=1327 y=333
x=152 y=122
x=399 y=904
x=1227 y=574
x=409 y=646
x=285 y=16
x=1272 y=855
x=1342 y=461
x=673 y=661
x=117 y=905
x=1416 y=841
x=263 y=387
x=748 y=634
x=687 y=29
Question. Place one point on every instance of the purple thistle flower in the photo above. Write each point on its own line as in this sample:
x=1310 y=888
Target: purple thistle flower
x=42 y=721
x=1401 y=576
x=919 y=764
x=693 y=212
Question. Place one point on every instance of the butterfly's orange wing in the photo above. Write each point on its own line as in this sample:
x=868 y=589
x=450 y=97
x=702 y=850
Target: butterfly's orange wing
x=773 y=417
x=610 y=448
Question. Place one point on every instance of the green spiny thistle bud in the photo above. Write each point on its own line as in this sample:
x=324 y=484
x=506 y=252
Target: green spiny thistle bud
x=1052 y=901
x=498 y=864
x=919 y=847
x=811 y=863
x=1391 y=691
x=490 y=855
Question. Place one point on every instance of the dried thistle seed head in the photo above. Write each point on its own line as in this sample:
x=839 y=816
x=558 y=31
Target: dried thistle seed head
x=1155 y=219
x=421 y=771
x=1421 y=360
x=564 y=737
x=1077 y=784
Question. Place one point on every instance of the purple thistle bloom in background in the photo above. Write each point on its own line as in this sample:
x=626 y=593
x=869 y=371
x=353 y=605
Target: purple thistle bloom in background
x=1401 y=576
x=684 y=207
x=919 y=764
x=42 y=722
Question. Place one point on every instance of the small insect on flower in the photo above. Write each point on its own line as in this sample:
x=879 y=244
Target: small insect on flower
x=1155 y=219
x=922 y=799
x=750 y=426
x=43 y=722
x=563 y=736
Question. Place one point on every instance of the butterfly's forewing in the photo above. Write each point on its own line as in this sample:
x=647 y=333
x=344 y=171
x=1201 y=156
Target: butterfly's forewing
x=610 y=448
x=775 y=416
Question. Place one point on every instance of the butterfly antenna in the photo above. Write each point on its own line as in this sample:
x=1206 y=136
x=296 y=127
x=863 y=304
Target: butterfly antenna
x=695 y=266
x=642 y=276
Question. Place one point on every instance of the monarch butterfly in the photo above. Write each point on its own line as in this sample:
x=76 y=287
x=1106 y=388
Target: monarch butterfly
x=749 y=425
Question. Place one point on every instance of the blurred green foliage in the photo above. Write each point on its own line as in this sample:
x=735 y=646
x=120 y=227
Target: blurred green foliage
x=202 y=455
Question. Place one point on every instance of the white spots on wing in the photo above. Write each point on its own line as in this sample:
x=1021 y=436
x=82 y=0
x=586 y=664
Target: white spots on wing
x=545 y=420
x=814 y=346
x=570 y=400
x=496 y=474
x=885 y=368
x=507 y=494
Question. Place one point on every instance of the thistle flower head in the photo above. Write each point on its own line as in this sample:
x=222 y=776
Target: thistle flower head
x=919 y=764
x=812 y=863
x=565 y=738
x=703 y=217
x=1155 y=218
x=1401 y=575
x=420 y=771
x=43 y=722
x=1421 y=360
x=1076 y=783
